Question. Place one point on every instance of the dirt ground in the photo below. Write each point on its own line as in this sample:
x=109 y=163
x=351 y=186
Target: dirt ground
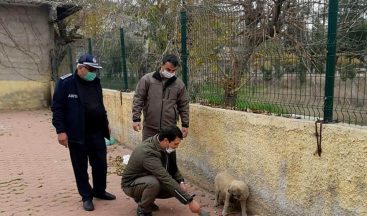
x=36 y=176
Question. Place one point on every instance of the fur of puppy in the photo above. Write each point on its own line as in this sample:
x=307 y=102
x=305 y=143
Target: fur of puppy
x=228 y=191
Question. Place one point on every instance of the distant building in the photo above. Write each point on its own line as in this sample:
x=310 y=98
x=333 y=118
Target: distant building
x=27 y=36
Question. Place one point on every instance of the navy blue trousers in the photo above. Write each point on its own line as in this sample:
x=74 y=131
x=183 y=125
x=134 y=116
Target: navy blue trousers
x=94 y=150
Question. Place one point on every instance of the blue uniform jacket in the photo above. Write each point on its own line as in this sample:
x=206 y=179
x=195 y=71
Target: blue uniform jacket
x=68 y=109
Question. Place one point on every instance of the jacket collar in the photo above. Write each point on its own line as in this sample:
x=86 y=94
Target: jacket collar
x=157 y=76
x=155 y=141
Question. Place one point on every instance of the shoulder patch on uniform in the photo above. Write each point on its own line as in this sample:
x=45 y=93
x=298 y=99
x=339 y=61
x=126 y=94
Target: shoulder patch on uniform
x=66 y=76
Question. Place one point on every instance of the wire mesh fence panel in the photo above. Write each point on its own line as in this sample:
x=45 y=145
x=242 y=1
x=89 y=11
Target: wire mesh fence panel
x=66 y=60
x=269 y=57
x=350 y=100
x=106 y=48
x=265 y=56
x=150 y=31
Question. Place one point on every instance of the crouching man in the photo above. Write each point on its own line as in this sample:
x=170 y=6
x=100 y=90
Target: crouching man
x=152 y=173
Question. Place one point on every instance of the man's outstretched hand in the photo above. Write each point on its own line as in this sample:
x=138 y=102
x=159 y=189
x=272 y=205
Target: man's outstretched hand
x=194 y=207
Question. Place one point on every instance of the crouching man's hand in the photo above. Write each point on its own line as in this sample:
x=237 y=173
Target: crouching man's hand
x=194 y=207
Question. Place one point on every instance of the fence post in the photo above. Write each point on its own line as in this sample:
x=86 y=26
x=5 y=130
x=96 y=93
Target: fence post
x=185 y=69
x=90 y=50
x=70 y=58
x=331 y=60
x=123 y=58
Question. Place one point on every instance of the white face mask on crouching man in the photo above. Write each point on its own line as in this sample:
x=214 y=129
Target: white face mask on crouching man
x=169 y=150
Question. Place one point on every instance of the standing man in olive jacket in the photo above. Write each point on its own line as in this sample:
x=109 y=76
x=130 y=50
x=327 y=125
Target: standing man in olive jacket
x=163 y=99
x=152 y=173
x=81 y=123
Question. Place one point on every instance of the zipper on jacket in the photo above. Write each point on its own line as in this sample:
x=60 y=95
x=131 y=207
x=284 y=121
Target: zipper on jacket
x=160 y=119
x=169 y=92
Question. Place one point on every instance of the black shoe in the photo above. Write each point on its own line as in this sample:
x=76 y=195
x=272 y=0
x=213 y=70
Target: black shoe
x=154 y=207
x=88 y=205
x=140 y=213
x=105 y=196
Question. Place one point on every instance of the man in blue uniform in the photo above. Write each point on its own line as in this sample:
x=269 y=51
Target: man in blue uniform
x=81 y=123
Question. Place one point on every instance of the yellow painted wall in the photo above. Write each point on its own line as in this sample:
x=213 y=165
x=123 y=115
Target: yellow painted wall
x=118 y=107
x=274 y=155
x=21 y=95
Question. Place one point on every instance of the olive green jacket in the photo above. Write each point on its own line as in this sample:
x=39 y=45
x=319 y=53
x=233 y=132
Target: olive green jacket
x=150 y=159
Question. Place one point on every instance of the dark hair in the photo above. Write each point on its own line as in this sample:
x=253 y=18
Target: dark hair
x=172 y=59
x=170 y=132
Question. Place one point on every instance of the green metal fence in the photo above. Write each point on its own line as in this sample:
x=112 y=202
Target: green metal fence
x=299 y=59
x=350 y=89
x=149 y=32
x=280 y=57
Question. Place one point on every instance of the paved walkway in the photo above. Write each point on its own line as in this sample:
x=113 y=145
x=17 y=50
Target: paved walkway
x=36 y=176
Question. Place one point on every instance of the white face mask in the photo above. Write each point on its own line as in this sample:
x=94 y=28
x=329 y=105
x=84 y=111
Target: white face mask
x=169 y=150
x=167 y=74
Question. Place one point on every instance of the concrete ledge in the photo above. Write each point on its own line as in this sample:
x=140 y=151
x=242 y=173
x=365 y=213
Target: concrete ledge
x=118 y=105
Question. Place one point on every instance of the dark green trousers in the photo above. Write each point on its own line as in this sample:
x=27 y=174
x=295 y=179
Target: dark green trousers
x=145 y=190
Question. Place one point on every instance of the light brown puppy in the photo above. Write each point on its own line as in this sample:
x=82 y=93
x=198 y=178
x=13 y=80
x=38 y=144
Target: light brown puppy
x=229 y=190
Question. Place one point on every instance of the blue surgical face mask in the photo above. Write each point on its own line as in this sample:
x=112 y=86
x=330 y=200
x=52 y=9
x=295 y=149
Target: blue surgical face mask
x=90 y=76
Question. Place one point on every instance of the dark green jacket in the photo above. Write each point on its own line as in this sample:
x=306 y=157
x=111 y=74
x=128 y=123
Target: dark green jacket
x=150 y=159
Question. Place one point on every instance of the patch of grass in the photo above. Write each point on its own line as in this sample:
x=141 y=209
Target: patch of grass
x=215 y=100
x=259 y=107
x=243 y=105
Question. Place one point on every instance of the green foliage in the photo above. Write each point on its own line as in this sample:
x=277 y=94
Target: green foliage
x=259 y=107
x=301 y=71
x=229 y=41
x=347 y=60
x=215 y=99
x=347 y=65
x=353 y=27
x=159 y=26
x=209 y=39
x=95 y=18
x=211 y=95
x=348 y=72
x=278 y=69
x=267 y=73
